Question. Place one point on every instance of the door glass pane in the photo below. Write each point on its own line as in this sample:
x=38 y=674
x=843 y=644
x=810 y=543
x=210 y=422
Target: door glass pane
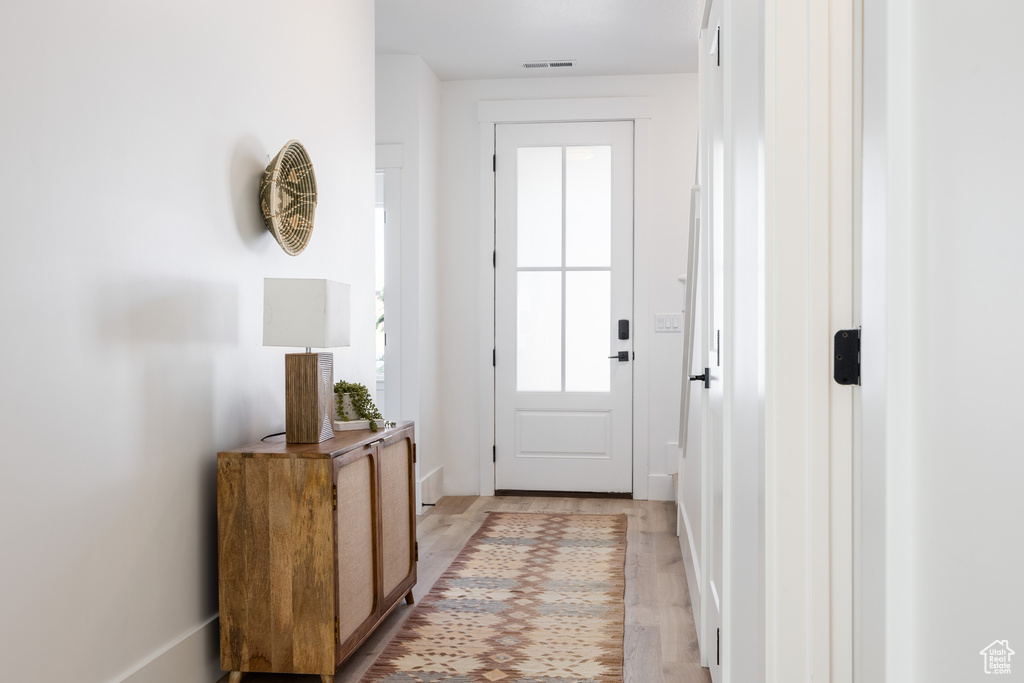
x=539 y=331
x=588 y=206
x=587 y=330
x=539 y=206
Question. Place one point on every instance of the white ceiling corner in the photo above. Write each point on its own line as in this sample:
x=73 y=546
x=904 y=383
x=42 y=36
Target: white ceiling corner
x=477 y=39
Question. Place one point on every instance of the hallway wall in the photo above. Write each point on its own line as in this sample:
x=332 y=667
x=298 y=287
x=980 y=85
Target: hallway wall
x=132 y=275
x=944 y=310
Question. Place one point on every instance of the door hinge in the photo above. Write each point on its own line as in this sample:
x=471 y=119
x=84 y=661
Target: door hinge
x=494 y=358
x=718 y=42
x=337 y=634
x=494 y=163
x=414 y=454
x=494 y=259
x=334 y=495
x=494 y=454
x=718 y=646
x=846 y=362
x=416 y=551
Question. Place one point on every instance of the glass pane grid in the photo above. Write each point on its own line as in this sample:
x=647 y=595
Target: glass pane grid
x=588 y=208
x=558 y=269
x=563 y=269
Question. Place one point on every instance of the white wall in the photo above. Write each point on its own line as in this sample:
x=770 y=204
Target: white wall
x=131 y=272
x=408 y=109
x=674 y=135
x=942 y=124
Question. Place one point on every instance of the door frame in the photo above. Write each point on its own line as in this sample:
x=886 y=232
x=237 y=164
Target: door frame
x=489 y=114
x=389 y=162
x=810 y=161
x=888 y=418
x=607 y=464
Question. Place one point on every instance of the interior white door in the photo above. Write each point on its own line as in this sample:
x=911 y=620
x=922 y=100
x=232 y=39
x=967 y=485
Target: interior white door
x=712 y=272
x=563 y=306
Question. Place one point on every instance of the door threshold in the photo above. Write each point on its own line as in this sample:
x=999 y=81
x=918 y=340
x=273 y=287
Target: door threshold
x=562 y=494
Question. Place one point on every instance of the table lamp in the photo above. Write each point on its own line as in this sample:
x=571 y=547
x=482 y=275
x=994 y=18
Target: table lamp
x=310 y=314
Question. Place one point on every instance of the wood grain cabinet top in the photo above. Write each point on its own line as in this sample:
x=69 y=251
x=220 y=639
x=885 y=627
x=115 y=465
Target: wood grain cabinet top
x=316 y=545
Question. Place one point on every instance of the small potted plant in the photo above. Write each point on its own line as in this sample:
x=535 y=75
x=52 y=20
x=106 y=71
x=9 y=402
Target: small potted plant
x=354 y=403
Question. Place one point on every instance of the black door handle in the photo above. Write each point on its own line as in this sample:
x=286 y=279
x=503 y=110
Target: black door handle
x=705 y=377
x=623 y=356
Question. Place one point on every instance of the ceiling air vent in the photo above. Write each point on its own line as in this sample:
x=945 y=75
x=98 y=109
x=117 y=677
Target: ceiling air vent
x=552 y=63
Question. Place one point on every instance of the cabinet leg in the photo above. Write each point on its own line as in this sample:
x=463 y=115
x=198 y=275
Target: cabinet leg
x=326 y=678
x=408 y=598
x=235 y=677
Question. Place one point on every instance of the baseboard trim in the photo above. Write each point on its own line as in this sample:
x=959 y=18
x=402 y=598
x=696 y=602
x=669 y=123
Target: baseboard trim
x=193 y=657
x=659 y=487
x=692 y=554
x=432 y=486
x=561 y=494
x=691 y=564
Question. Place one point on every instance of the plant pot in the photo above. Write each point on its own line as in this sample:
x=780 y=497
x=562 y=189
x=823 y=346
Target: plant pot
x=353 y=421
x=346 y=408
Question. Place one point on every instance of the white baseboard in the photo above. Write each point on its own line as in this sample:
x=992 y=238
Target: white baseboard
x=689 y=550
x=691 y=563
x=659 y=487
x=193 y=657
x=432 y=486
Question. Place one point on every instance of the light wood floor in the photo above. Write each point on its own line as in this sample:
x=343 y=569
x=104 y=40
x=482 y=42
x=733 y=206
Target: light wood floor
x=660 y=639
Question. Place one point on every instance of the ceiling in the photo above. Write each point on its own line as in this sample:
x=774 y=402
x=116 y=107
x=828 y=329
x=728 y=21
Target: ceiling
x=472 y=39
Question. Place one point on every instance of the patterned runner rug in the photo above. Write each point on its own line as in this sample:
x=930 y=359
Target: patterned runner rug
x=532 y=598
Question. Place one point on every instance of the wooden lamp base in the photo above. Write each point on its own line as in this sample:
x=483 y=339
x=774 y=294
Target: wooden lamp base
x=309 y=397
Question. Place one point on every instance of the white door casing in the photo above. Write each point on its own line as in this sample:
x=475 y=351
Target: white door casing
x=807 y=193
x=391 y=406
x=639 y=110
x=563 y=408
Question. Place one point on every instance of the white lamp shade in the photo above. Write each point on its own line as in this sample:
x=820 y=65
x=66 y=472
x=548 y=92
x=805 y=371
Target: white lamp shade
x=305 y=313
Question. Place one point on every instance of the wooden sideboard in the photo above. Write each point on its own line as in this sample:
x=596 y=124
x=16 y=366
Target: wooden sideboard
x=316 y=545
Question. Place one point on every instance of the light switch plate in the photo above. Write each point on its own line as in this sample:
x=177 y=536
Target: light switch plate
x=668 y=322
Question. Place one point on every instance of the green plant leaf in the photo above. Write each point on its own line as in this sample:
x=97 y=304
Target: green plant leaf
x=362 y=404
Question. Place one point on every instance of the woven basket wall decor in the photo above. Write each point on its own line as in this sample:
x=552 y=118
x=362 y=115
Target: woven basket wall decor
x=288 y=197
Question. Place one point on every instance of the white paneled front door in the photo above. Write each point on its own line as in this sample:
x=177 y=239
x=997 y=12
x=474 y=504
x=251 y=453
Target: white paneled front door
x=563 y=303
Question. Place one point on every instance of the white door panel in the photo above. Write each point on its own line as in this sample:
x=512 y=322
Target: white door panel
x=563 y=280
x=553 y=433
x=712 y=274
